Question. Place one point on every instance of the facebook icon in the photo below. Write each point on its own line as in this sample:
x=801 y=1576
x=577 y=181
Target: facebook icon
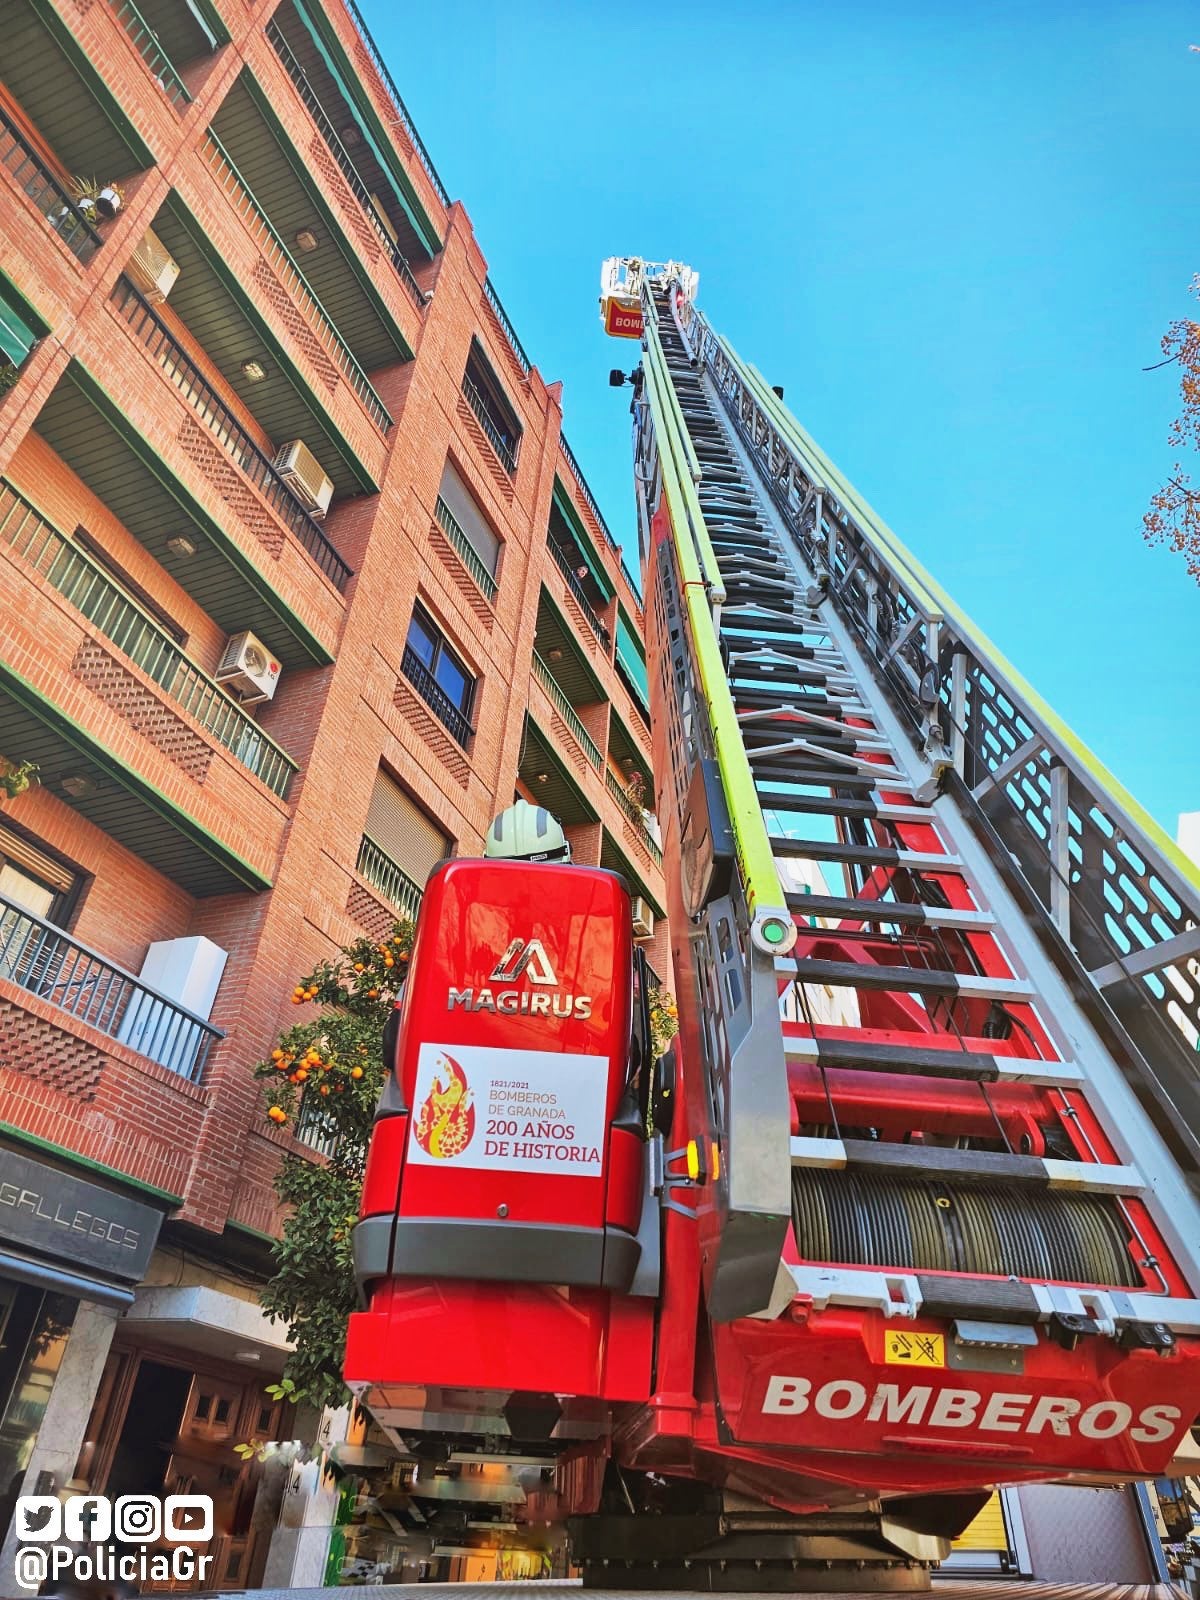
x=87 y=1519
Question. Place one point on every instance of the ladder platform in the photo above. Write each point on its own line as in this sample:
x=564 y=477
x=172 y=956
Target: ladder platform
x=925 y=1061
x=971 y=1166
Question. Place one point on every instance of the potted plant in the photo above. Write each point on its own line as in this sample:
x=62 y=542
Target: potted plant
x=15 y=779
x=8 y=376
x=97 y=202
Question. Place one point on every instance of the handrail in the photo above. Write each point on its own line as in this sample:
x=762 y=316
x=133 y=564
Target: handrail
x=382 y=873
x=147 y=45
x=502 y=317
x=281 y=257
x=155 y=335
x=96 y=597
x=566 y=711
x=314 y=1126
x=576 y=588
x=435 y=697
x=634 y=585
x=44 y=189
x=50 y=963
x=467 y=552
x=405 y=120
x=585 y=491
x=342 y=156
x=506 y=454
x=634 y=813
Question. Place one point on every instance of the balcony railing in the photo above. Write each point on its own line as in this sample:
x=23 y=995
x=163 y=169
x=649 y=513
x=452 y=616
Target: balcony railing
x=203 y=399
x=47 y=962
x=510 y=333
x=435 y=697
x=278 y=254
x=468 y=554
x=634 y=812
x=576 y=588
x=145 y=42
x=44 y=189
x=113 y=614
x=393 y=883
x=402 y=116
x=565 y=710
x=586 y=492
x=340 y=154
x=506 y=453
x=634 y=585
x=315 y=1127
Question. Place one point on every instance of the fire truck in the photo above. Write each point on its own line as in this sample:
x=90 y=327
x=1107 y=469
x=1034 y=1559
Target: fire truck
x=784 y=1305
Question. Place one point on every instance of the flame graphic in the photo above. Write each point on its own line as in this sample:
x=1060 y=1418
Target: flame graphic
x=446 y=1120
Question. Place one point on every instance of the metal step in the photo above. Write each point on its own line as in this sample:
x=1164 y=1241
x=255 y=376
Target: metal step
x=905 y=980
x=972 y=1166
x=924 y=1061
x=906 y=913
x=864 y=855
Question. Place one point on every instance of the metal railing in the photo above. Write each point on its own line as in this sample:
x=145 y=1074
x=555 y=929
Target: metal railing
x=586 y=492
x=48 y=962
x=566 y=711
x=634 y=812
x=277 y=253
x=394 y=884
x=146 y=43
x=576 y=588
x=406 y=122
x=44 y=189
x=342 y=156
x=634 y=585
x=435 y=697
x=470 y=557
x=85 y=586
x=506 y=453
x=510 y=333
x=203 y=399
x=315 y=1127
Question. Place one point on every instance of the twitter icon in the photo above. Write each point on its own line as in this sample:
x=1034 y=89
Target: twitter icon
x=39 y=1519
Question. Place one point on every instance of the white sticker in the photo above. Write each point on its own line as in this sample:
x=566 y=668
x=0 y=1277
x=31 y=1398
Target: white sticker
x=509 y=1110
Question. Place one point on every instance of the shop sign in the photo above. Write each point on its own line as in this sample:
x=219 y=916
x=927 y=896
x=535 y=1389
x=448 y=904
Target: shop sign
x=60 y=1215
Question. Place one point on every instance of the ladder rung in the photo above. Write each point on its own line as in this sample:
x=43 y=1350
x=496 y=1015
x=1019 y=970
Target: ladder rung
x=972 y=1166
x=907 y=913
x=905 y=980
x=924 y=1061
x=864 y=855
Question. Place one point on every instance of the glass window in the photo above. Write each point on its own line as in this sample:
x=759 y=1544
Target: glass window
x=35 y=1328
x=25 y=891
x=449 y=673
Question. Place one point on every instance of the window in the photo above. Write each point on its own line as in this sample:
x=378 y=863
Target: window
x=466 y=517
x=32 y=880
x=489 y=403
x=441 y=679
x=399 y=826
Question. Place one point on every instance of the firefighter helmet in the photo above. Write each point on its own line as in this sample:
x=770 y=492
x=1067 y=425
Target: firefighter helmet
x=526 y=833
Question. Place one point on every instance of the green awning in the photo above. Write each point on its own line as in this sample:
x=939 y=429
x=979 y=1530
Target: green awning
x=20 y=329
x=631 y=659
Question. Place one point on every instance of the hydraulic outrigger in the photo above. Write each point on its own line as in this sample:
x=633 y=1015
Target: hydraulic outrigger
x=910 y=1210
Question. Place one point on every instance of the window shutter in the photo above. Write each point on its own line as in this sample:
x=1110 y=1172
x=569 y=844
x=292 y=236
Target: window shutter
x=34 y=861
x=466 y=513
x=401 y=828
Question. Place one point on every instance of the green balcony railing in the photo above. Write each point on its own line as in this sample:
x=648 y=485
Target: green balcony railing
x=280 y=257
x=634 y=813
x=86 y=587
x=566 y=711
x=562 y=562
x=146 y=43
x=384 y=874
x=467 y=552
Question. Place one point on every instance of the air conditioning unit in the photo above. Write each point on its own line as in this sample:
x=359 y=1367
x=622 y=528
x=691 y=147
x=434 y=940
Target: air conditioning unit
x=302 y=473
x=152 y=268
x=643 y=919
x=248 y=668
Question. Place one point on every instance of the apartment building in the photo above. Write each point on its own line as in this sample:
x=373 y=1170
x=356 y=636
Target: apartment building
x=301 y=583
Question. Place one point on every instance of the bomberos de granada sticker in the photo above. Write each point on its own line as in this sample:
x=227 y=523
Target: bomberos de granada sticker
x=509 y=1110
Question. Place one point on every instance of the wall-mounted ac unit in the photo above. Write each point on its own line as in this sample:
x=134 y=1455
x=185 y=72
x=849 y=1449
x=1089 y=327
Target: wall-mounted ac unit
x=302 y=473
x=152 y=269
x=643 y=919
x=248 y=668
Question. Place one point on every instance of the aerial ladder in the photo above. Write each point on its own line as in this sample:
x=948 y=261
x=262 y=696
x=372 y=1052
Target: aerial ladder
x=909 y=1210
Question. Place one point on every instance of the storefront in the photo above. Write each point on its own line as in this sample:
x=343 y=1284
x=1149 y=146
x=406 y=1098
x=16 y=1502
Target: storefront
x=70 y=1255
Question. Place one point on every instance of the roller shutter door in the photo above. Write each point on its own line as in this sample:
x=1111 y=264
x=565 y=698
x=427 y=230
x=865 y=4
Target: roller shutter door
x=400 y=828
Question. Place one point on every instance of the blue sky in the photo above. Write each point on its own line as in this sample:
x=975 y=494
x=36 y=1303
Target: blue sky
x=954 y=233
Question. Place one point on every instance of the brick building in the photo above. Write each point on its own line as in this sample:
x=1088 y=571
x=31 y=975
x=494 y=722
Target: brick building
x=262 y=254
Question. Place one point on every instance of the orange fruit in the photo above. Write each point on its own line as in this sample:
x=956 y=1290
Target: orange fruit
x=276 y=1055
x=324 y=1088
x=359 y=967
x=356 y=1072
x=372 y=994
x=277 y=1114
x=302 y=1075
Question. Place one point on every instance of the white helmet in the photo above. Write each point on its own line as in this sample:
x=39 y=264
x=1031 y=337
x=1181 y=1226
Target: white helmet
x=526 y=833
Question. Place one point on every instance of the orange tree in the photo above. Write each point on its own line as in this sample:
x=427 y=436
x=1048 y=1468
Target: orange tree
x=323 y=1079
x=1174 y=515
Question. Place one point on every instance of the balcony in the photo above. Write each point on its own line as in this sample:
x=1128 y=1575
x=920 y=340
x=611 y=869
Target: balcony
x=169 y=36
x=633 y=813
x=566 y=711
x=548 y=774
x=146 y=43
x=382 y=229
x=39 y=184
x=443 y=708
x=377 y=868
x=47 y=962
x=579 y=593
x=202 y=398
x=89 y=590
x=466 y=551
x=589 y=498
x=505 y=453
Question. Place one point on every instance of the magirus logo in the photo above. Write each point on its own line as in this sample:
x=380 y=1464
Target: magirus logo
x=524 y=958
